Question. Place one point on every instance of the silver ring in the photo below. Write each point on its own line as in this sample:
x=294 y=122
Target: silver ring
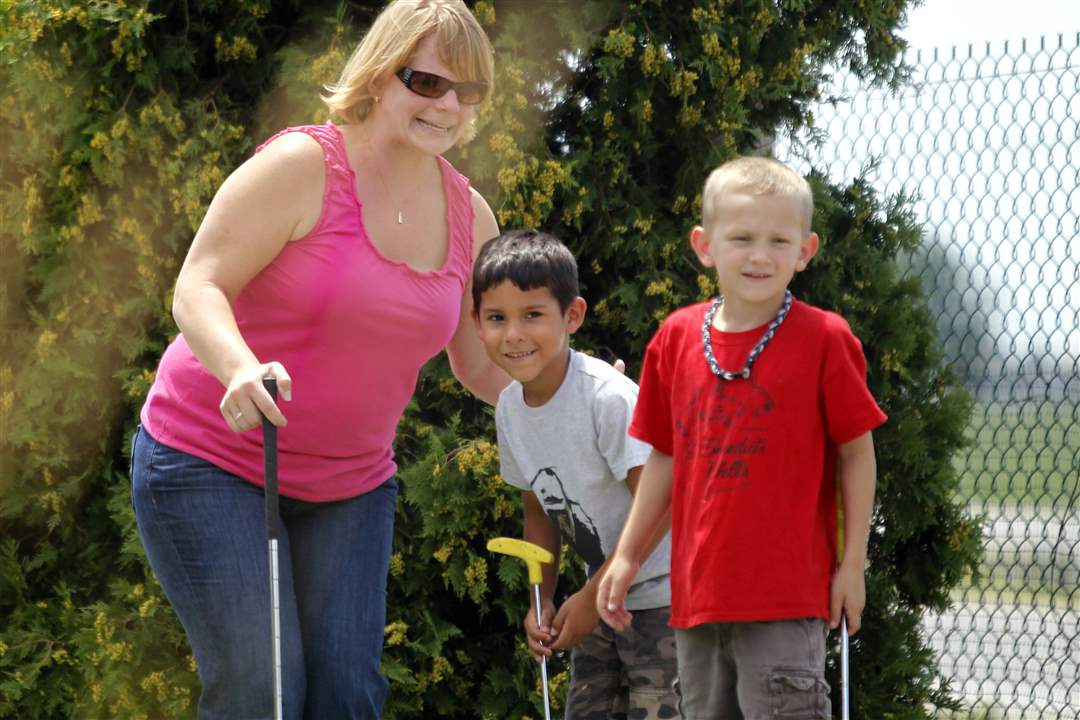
x=238 y=415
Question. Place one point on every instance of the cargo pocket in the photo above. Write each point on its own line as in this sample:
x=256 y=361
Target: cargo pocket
x=799 y=695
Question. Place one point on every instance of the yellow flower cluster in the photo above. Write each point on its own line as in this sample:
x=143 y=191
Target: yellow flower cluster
x=684 y=83
x=669 y=250
x=762 y=21
x=440 y=669
x=651 y=60
x=710 y=14
x=155 y=684
x=706 y=286
x=476 y=576
x=239 y=48
x=396 y=633
x=711 y=45
x=619 y=43
x=792 y=68
x=690 y=115
x=258 y=8
x=643 y=224
x=479 y=456
x=51 y=501
x=890 y=360
x=530 y=187
x=503 y=507
x=659 y=287
x=484 y=12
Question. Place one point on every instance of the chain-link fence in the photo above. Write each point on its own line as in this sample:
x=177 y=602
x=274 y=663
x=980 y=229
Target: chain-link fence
x=987 y=140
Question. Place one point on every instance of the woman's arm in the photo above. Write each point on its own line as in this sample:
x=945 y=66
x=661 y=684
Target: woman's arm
x=468 y=359
x=274 y=197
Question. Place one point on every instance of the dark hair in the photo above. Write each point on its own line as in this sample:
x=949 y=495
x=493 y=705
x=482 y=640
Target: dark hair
x=529 y=259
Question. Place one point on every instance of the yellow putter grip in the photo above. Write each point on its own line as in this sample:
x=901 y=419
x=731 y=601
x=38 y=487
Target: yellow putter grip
x=532 y=554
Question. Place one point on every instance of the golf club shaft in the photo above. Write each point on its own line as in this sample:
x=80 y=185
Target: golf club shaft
x=845 y=684
x=270 y=476
x=543 y=658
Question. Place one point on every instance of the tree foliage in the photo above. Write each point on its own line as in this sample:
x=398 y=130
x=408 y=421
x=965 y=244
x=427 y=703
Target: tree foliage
x=118 y=122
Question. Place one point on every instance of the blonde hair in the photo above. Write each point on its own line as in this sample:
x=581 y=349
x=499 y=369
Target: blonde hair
x=755 y=176
x=392 y=40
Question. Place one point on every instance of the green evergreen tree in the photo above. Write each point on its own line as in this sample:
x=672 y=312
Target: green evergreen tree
x=120 y=120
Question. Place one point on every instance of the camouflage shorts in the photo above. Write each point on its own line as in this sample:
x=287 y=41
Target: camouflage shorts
x=625 y=675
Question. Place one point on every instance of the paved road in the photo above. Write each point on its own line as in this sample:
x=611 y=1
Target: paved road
x=1021 y=660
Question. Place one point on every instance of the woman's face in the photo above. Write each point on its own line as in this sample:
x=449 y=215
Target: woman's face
x=431 y=125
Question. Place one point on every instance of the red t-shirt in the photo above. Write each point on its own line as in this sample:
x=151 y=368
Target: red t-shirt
x=754 y=486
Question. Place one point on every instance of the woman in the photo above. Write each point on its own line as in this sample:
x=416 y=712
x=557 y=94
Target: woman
x=335 y=260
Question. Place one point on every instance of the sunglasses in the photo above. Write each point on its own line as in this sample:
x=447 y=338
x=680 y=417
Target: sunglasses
x=430 y=85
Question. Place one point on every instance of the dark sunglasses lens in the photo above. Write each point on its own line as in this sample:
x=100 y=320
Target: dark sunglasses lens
x=435 y=86
x=428 y=85
x=470 y=93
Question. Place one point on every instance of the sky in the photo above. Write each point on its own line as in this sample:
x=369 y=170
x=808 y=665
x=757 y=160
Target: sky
x=944 y=23
x=988 y=146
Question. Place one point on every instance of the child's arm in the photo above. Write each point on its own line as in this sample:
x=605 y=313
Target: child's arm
x=577 y=616
x=857 y=470
x=632 y=481
x=541 y=531
x=651 y=504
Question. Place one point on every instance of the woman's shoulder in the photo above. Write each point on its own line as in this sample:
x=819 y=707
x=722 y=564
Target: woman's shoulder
x=303 y=144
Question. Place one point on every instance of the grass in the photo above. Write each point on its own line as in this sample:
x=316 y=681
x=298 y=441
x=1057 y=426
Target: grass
x=1022 y=454
x=1000 y=592
x=1023 y=457
x=979 y=712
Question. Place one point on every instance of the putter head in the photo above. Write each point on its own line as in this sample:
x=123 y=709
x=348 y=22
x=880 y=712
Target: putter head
x=532 y=554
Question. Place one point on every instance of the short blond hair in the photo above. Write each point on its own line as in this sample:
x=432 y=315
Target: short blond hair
x=755 y=176
x=393 y=38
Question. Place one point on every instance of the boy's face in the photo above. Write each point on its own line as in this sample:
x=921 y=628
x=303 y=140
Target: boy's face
x=527 y=335
x=757 y=243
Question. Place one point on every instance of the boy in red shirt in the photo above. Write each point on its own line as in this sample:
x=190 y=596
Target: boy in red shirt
x=755 y=405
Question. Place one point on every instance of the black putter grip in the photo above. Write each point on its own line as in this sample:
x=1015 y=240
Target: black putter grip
x=270 y=464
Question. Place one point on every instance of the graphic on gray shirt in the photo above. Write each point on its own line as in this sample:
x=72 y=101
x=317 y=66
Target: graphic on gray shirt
x=575 y=525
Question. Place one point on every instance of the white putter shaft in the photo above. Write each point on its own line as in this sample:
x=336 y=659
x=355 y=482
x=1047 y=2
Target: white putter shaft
x=534 y=556
x=270 y=472
x=845 y=708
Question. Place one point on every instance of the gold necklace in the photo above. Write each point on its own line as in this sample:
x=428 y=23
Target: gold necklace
x=401 y=220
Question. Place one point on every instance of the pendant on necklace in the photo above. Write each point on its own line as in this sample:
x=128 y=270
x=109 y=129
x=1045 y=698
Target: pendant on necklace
x=706 y=339
x=400 y=217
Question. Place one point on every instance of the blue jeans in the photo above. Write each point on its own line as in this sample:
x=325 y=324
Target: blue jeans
x=204 y=531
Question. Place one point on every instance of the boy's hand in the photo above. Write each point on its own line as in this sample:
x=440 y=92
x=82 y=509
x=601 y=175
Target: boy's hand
x=575 y=620
x=539 y=637
x=611 y=596
x=848 y=595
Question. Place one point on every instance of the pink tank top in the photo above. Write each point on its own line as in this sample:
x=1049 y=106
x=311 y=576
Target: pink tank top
x=350 y=326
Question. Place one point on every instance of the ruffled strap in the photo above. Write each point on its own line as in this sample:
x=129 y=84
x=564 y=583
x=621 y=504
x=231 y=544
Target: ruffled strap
x=328 y=136
x=461 y=215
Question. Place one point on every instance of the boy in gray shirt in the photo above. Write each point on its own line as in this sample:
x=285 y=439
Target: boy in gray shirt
x=562 y=436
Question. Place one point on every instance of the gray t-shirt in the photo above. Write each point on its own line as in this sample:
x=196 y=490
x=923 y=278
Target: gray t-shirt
x=574 y=454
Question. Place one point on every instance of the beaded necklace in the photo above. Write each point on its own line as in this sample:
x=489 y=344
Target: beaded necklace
x=706 y=338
